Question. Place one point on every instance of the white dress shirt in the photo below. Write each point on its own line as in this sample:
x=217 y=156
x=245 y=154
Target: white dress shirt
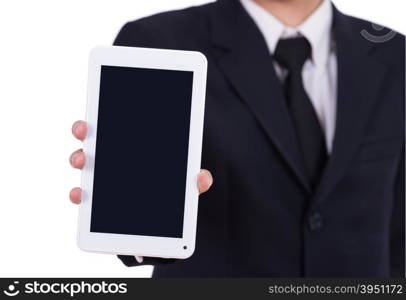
x=320 y=71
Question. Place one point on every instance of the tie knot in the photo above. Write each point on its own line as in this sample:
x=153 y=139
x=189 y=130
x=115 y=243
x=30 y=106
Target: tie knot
x=292 y=53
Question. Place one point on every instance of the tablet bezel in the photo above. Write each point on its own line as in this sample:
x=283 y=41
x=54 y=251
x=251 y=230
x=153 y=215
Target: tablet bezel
x=148 y=246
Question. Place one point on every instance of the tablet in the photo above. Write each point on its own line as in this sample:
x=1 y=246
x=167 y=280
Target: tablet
x=145 y=114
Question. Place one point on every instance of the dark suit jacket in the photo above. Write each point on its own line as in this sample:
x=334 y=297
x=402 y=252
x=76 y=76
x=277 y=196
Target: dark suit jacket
x=261 y=217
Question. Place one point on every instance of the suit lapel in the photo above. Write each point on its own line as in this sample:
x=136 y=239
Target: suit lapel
x=244 y=58
x=242 y=55
x=360 y=78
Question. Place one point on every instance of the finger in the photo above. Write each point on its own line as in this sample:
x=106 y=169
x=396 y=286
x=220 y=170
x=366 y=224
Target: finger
x=75 y=195
x=79 y=130
x=204 y=181
x=78 y=159
x=139 y=259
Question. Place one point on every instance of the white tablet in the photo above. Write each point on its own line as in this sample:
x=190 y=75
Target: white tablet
x=145 y=114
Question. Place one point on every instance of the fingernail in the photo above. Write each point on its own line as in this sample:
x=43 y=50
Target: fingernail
x=73 y=159
x=208 y=175
x=75 y=125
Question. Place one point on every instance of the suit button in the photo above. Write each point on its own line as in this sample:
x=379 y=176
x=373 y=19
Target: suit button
x=315 y=222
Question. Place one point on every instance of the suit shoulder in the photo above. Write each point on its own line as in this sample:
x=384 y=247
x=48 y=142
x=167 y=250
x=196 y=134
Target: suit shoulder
x=167 y=29
x=388 y=44
x=182 y=17
x=378 y=34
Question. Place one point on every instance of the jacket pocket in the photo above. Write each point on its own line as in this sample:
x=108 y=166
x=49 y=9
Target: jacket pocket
x=381 y=149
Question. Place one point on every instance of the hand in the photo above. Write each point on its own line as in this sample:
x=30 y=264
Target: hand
x=78 y=160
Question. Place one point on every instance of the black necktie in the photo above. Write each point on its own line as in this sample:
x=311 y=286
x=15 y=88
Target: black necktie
x=291 y=54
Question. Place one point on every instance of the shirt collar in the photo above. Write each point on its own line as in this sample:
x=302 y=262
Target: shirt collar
x=316 y=28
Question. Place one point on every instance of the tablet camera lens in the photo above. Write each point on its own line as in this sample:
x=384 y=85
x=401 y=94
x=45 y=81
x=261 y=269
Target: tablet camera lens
x=184 y=247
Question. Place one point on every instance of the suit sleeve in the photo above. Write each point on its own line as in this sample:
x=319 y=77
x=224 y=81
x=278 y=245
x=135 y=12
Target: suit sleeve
x=132 y=35
x=398 y=224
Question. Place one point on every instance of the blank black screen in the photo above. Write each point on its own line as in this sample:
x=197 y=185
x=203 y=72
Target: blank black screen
x=141 y=151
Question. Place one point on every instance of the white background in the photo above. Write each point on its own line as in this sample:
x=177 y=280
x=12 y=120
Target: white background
x=43 y=67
